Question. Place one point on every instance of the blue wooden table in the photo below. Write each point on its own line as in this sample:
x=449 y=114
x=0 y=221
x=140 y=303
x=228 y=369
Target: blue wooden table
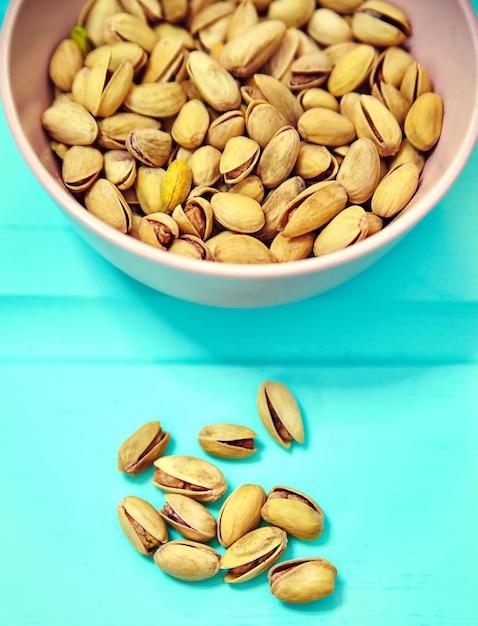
x=386 y=372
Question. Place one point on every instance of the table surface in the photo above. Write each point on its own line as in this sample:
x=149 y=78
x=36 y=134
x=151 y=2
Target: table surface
x=385 y=369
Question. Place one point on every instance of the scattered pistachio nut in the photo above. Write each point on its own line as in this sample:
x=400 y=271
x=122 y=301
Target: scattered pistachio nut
x=189 y=517
x=280 y=413
x=302 y=580
x=231 y=441
x=293 y=511
x=187 y=560
x=240 y=513
x=143 y=526
x=144 y=446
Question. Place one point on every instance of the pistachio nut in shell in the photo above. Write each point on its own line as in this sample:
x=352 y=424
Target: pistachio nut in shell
x=81 y=167
x=349 y=226
x=215 y=84
x=253 y=553
x=158 y=230
x=191 y=124
x=325 y=127
x=204 y=164
x=240 y=513
x=275 y=202
x=230 y=441
x=238 y=159
x=113 y=131
x=293 y=511
x=395 y=190
x=359 y=172
x=143 y=526
x=176 y=185
x=280 y=413
x=189 y=517
x=120 y=168
x=189 y=476
x=106 y=201
x=373 y=120
x=302 y=580
x=123 y=26
x=315 y=163
x=70 y=123
x=391 y=66
x=380 y=24
x=155 y=99
x=227 y=125
x=65 y=62
x=287 y=249
x=279 y=157
x=309 y=70
x=194 y=217
x=237 y=212
x=141 y=448
x=262 y=121
x=243 y=250
x=150 y=146
x=280 y=97
x=190 y=246
x=187 y=560
x=423 y=124
x=148 y=188
x=352 y=70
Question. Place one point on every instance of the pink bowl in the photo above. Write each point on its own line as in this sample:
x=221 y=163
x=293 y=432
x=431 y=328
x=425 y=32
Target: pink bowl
x=445 y=41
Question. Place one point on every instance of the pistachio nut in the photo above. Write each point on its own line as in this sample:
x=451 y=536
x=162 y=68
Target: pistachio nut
x=318 y=97
x=176 y=185
x=187 y=560
x=415 y=82
x=229 y=124
x=380 y=24
x=359 y=172
x=149 y=146
x=113 y=130
x=309 y=70
x=70 y=123
x=238 y=159
x=190 y=246
x=325 y=127
x=253 y=553
x=408 y=154
x=374 y=121
x=244 y=54
x=250 y=186
x=105 y=90
x=148 y=184
x=194 y=217
x=81 y=167
x=302 y=580
x=189 y=476
x=143 y=526
x=174 y=11
x=230 y=441
x=166 y=62
x=237 y=212
x=66 y=61
x=93 y=16
x=312 y=209
x=315 y=163
x=279 y=63
x=215 y=84
x=275 y=202
x=117 y=53
x=293 y=14
x=280 y=413
x=262 y=121
x=240 y=513
x=424 y=121
x=293 y=511
x=242 y=249
x=155 y=99
x=242 y=19
x=341 y=6
x=287 y=249
x=393 y=99
x=204 y=165
x=337 y=51
x=146 y=10
x=144 y=446
x=279 y=157
x=327 y=27
x=280 y=97
x=351 y=71
x=391 y=66
x=191 y=124
x=106 y=201
x=123 y=26
x=395 y=190
x=189 y=517
x=120 y=168
x=349 y=226
x=158 y=230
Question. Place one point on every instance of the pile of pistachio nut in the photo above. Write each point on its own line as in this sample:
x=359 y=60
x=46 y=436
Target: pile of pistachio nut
x=252 y=131
x=252 y=526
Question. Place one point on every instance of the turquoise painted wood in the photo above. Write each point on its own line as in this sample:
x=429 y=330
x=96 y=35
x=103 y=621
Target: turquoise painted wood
x=386 y=372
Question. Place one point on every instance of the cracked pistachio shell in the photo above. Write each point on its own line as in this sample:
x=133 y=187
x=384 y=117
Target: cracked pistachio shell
x=113 y=130
x=143 y=526
x=238 y=159
x=293 y=511
x=391 y=97
x=120 y=168
x=359 y=172
x=204 y=164
x=253 y=553
x=189 y=517
x=391 y=66
x=280 y=96
x=374 y=121
x=352 y=70
x=224 y=127
x=166 y=61
x=280 y=413
x=325 y=127
x=328 y=27
x=176 y=185
x=415 y=82
x=315 y=163
x=312 y=209
x=395 y=190
x=280 y=61
x=189 y=476
x=191 y=124
x=106 y=201
x=408 y=154
x=70 y=123
x=279 y=157
x=287 y=249
x=215 y=84
x=309 y=70
x=146 y=10
x=229 y=441
x=424 y=121
x=116 y=54
x=206 y=14
x=302 y=580
x=81 y=167
x=262 y=121
x=348 y=227
x=190 y=246
x=187 y=560
x=294 y=14
x=155 y=99
x=240 y=513
x=246 y=53
x=126 y=27
x=275 y=202
x=380 y=24
x=66 y=61
x=148 y=188
x=158 y=230
x=245 y=15
x=149 y=146
x=237 y=212
x=105 y=91
x=242 y=249
x=93 y=16
x=144 y=446
x=194 y=217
